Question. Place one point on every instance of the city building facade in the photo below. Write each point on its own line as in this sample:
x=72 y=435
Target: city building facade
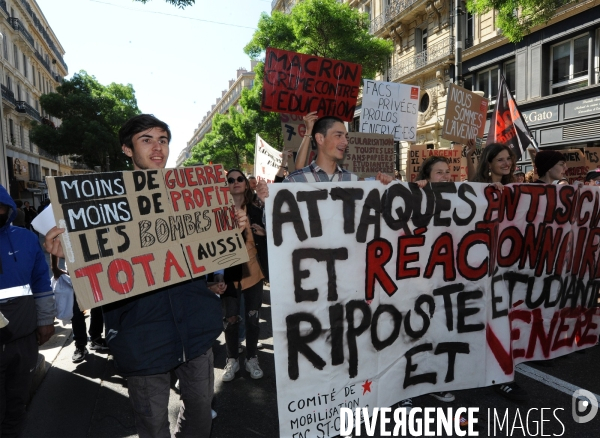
x=229 y=98
x=32 y=64
x=553 y=72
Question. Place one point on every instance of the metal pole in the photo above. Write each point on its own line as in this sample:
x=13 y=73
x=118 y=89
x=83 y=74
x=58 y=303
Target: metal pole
x=3 y=157
x=459 y=16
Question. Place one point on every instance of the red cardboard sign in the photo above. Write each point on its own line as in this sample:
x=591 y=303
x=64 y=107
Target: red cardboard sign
x=295 y=83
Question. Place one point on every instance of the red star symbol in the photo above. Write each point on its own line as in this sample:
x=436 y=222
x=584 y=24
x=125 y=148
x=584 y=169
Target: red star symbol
x=366 y=386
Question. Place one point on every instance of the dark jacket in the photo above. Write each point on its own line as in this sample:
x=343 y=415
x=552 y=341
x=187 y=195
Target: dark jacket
x=22 y=265
x=155 y=332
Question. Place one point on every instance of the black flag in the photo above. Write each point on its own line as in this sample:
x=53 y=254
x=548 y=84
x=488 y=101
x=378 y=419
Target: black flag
x=507 y=125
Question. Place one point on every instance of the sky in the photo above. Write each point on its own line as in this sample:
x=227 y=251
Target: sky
x=178 y=60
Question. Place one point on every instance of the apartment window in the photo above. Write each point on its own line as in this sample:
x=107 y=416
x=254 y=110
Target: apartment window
x=569 y=64
x=34 y=172
x=487 y=81
x=18 y=92
x=510 y=76
x=5 y=47
x=40 y=79
x=11 y=131
x=469 y=30
x=24 y=64
x=421 y=40
x=16 y=56
x=368 y=10
x=8 y=82
x=33 y=74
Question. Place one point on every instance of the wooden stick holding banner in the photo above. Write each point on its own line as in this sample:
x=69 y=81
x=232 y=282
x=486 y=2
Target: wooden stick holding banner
x=128 y=233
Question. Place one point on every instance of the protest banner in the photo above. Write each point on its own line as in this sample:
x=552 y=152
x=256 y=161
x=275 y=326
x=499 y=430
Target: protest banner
x=592 y=157
x=128 y=233
x=390 y=292
x=267 y=160
x=465 y=116
x=419 y=153
x=296 y=83
x=368 y=154
x=390 y=108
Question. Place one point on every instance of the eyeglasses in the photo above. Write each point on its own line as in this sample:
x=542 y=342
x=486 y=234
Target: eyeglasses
x=239 y=179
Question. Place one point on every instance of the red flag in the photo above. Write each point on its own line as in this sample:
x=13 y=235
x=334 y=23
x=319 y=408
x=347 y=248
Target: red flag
x=507 y=125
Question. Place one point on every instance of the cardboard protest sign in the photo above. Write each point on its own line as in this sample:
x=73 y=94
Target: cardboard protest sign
x=390 y=108
x=419 y=153
x=390 y=292
x=577 y=165
x=293 y=130
x=465 y=116
x=592 y=158
x=267 y=160
x=295 y=83
x=128 y=233
x=368 y=154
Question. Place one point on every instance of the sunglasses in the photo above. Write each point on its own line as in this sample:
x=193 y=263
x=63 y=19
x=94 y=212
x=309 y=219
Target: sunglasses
x=239 y=179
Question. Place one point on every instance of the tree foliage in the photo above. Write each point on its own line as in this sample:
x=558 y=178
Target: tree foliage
x=179 y=3
x=323 y=28
x=91 y=115
x=227 y=143
x=517 y=17
x=317 y=27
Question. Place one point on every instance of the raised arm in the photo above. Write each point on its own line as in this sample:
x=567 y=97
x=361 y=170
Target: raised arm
x=304 y=149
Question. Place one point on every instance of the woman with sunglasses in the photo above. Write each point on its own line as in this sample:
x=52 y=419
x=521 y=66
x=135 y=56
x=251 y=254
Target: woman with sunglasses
x=250 y=285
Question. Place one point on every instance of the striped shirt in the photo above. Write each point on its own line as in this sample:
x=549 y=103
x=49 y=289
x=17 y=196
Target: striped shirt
x=313 y=173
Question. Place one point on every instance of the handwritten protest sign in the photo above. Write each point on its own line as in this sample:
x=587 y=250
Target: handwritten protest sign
x=293 y=130
x=390 y=108
x=267 y=160
x=465 y=116
x=389 y=292
x=419 y=153
x=128 y=233
x=295 y=83
x=577 y=165
x=368 y=154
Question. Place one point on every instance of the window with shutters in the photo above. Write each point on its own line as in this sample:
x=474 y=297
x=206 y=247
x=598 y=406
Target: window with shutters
x=487 y=81
x=510 y=76
x=16 y=56
x=569 y=64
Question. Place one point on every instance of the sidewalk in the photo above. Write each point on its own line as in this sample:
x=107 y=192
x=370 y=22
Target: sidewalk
x=89 y=400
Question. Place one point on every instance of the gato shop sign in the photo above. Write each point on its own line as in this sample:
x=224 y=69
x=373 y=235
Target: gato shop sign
x=541 y=115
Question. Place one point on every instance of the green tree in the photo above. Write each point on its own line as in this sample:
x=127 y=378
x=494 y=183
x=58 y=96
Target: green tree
x=91 y=115
x=517 y=17
x=228 y=142
x=179 y=3
x=317 y=27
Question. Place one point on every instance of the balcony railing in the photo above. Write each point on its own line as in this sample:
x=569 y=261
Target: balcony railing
x=394 y=8
x=8 y=95
x=24 y=107
x=433 y=53
x=42 y=30
x=16 y=24
x=42 y=61
x=48 y=155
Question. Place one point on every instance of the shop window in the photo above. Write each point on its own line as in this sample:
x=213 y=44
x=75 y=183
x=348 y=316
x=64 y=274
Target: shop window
x=510 y=76
x=487 y=81
x=569 y=67
x=468 y=82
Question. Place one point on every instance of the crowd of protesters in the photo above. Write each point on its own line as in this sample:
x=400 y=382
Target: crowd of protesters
x=225 y=301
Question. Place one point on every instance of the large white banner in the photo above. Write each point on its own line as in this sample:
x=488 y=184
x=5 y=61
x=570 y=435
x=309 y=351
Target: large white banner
x=390 y=108
x=267 y=160
x=388 y=292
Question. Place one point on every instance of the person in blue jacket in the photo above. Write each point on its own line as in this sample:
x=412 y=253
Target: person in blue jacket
x=27 y=301
x=170 y=329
